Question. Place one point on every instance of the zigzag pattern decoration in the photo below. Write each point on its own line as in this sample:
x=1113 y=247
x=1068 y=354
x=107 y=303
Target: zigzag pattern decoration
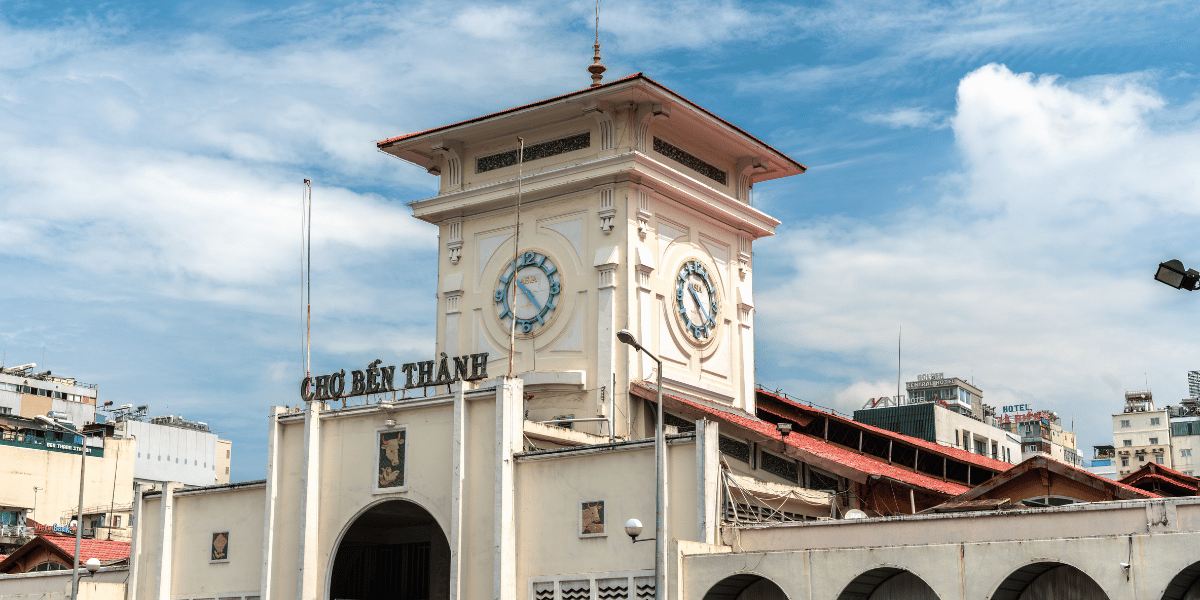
x=576 y=590
x=644 y=588
x=543 y=590
x=612 y=589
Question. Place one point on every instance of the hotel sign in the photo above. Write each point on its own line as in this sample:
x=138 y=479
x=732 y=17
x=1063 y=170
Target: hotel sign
x=930 y=380
x=377 y=380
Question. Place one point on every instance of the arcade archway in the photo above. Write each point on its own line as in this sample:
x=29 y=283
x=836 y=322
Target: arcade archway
x=1049 y=581
x=1185 y=585
x=395 y=550
x=746 y=586
x=888 y=583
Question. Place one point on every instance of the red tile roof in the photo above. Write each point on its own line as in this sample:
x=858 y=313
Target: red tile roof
x=947 y=451
x=637 y=75
x=868 y=465
x=1180 y=478
x=101 y=549
x=1175 y=483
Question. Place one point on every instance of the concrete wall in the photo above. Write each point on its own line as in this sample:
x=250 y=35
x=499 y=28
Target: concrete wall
x=964 y=556
x=106 y=584
x=166 y=453
x=948 y=422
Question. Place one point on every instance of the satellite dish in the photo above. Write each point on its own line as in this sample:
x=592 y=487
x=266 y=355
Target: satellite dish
x=854 y=513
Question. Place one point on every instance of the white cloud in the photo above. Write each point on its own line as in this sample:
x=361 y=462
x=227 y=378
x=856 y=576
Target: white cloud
x=1033 y=273
x=915 y=118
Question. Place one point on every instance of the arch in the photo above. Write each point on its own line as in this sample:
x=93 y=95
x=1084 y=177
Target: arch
x=1185 y=585
x=392 y=548
x=887 y=582
x=745 y=586
x=1049 y=580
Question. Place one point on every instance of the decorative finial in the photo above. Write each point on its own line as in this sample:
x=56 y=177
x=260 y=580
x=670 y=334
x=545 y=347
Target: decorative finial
x=597 y=68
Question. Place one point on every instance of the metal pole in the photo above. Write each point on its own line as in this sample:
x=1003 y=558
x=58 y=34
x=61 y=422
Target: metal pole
x=660 y=463
x=79 y=522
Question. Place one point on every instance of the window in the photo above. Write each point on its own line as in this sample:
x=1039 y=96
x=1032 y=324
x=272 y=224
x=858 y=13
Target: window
x=1126 y=442
x=1158 y=459
x=226 y=454
x=226 y=470
x=1153 y=441
x=1124 y=422
x=4 y=410
x=116 y=520
x=1187 y=472
x=1142 y=458
x=956 y=442
x=1156 y=420
x=1185 y=452
x=1124 y=462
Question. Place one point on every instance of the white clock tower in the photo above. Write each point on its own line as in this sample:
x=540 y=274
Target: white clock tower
x=635 y=213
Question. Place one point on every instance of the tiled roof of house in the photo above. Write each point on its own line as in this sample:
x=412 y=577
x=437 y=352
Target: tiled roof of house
x=1124 y=492
x=865 y=464
x=947 y=451
x=102 y=549
x=1165 y=473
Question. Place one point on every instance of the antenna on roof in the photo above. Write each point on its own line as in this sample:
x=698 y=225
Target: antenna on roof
x=597 y=69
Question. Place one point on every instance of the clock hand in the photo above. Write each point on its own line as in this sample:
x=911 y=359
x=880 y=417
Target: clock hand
x=699 y=305
x=530 y=294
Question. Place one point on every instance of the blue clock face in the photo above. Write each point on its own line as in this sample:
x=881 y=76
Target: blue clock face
x=528 y=293
x=696 y=302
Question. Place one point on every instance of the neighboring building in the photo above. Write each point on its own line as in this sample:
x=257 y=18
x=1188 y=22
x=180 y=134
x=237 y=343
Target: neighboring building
x=39 y=481
x=954 y=393
x=1042 y=434
x=933 y=421
x=1185 y=435
x=24 y=393
x=1104 y=462
x=171 y=448
x=1141 y=434
x=57 y=553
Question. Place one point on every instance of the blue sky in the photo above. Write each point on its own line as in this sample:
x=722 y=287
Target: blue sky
x=999 y=178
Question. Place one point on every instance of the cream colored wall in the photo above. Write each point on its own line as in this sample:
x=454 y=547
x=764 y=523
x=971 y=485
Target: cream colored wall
x=551 y=489
x=147 y=547
x=676 y=235
x=286 y=537
x=223 y=460
x=568 y=343
x=197 y=516
x=479 y=498
x=57 y=474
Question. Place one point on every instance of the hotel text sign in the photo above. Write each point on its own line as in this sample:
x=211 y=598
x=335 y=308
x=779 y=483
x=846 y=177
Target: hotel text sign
x=376 y=380
x=929 y=380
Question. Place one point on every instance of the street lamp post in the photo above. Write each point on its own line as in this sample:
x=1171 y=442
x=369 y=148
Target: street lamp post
x=79 y=515
x=660 y=460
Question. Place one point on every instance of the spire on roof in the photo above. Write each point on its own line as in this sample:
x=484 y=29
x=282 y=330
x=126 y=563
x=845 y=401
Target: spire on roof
x=597 y=68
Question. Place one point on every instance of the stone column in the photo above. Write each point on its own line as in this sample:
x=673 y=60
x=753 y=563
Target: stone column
x=272 y=493
x=510 y=419
x=310 y=501
x=458 y=471
x=166 y=538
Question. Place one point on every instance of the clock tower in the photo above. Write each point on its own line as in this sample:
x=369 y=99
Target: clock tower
x=635 y=213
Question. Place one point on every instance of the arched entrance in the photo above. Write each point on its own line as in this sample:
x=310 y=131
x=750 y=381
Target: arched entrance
x=888 y=583
x=746 y=586
x=394 y=550
x=1185 y=585
x=1049 y=581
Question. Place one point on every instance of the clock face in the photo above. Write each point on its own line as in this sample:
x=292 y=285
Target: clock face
x=696 y=302
x=528 y=292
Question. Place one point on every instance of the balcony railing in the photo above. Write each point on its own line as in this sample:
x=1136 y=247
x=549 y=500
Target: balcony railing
x=12 y=530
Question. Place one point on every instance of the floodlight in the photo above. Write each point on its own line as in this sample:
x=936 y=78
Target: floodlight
x=1174 y=274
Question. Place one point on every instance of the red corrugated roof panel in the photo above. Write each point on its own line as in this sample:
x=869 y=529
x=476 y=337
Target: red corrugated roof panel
x=865 y=464
x=948 y=451
x=102 y=549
